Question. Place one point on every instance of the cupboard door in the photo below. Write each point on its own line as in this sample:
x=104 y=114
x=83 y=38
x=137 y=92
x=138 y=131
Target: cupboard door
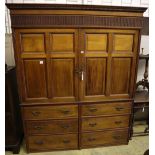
x=107 y=61
x=63 y=63
x=35 y=78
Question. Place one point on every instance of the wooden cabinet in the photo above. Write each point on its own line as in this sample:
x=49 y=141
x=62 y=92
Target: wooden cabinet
x=76 y=70
x=13 y=122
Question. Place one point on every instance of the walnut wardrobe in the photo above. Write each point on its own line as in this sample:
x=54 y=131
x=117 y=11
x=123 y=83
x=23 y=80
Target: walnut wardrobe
x=76 y=71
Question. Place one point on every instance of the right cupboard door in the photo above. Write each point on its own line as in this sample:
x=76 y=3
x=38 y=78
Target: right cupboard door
x=108 y=63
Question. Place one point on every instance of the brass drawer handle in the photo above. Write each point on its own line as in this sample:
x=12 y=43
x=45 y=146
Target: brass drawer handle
x=92 y=124
x=92 y=109
x=65 y=126
x=119 y=108
x=35 y=113
x=116 y=137
x=118 y=122
x=91 y=139
x=37 y=127
x=39 y=142
x=66 y=141
x=65 y=111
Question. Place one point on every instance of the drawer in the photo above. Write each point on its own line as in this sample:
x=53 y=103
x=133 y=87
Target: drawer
x=99 y=123
x=106 y=109
x=104 y=138
x=50 y=112
x=53 y=142
x=52 y=126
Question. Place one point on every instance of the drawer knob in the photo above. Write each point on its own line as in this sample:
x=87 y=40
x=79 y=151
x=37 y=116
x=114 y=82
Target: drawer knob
x=39 y=142
x=119 y=108
x=35 y=113
x=118 y=122
x=37 y=127
x=92 y=124
x=91 y=139
x=65 y=126
x=92 y=109
x=66 y=141
x=65 y=111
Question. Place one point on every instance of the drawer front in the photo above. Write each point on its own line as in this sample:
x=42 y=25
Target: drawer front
x=92 y=124
x=54 y=126
x=106 y=109
x=52 y=142
x=50 y=112
x=104 y=138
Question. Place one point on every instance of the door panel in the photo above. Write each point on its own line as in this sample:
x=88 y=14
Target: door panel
x=95 y=76
x=93 y=62
x=96 y=42
x=63 y=77
x=62 y=42
x=120 y=75
x=35 y=78
x=32 y=42
x=63 y=63
x=123 y=42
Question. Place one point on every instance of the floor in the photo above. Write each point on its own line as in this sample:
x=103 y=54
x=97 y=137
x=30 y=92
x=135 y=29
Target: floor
x=137 y=146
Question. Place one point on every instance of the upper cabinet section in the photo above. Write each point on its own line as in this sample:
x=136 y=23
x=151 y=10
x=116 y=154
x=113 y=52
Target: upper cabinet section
x=62 y=15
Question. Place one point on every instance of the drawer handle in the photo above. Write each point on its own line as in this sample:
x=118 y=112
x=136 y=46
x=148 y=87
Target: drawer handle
x=35 y=113
x=116 y=137
x=37 y=127
x=92 y=109
x=65 y=111
x=119 y=108
x=39 y=142
x=91 y=139
x=118 y=122
x=92 y=124
x=66 y=141
x=65 y=126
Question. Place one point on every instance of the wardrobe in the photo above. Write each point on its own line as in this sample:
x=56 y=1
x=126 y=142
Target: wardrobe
x=76 y=70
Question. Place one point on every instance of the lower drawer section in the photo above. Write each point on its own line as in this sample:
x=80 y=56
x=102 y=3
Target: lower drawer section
x=52 y=142
x=104 y=138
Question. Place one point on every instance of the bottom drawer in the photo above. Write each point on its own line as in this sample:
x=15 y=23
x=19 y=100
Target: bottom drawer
x=104 y=138
x=52 y=142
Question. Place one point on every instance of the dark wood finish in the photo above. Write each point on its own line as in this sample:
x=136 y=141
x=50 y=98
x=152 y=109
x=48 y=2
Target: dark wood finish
x=101 y=123
x=13 y=122
x=104 y=138
x=50 y=112
x=55 y=142
x=104 y=109
x=76 y=65
x=54 y=126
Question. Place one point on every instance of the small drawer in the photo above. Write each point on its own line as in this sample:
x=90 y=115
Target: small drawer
x=104 y=138
x=106 y=109
x=52 y=126
x=52 y=142
x=50 y=112
x=99 y=123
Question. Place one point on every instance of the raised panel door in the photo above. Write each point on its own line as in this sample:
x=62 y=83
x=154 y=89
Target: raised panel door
x=107 y=63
